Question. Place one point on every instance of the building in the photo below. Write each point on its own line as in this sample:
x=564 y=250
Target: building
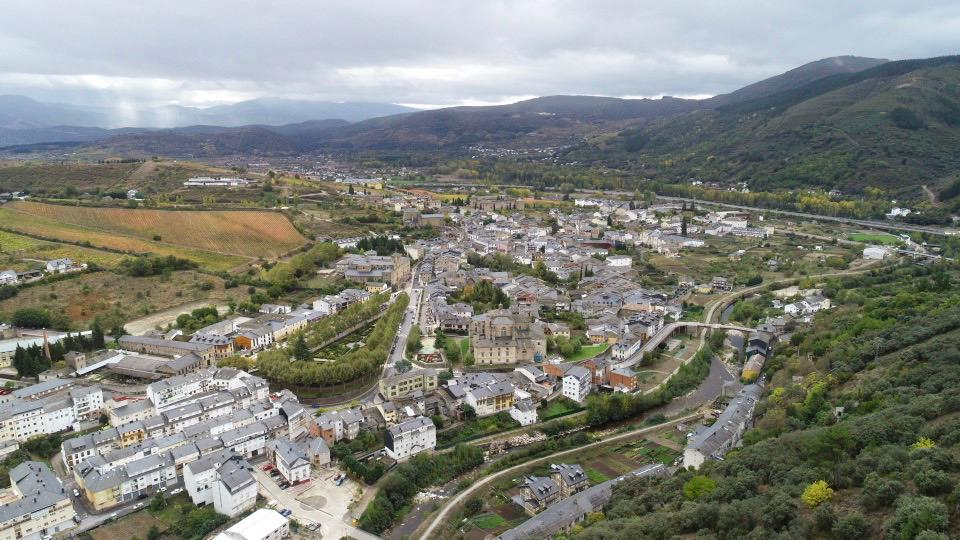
x=577 y=383
x=402 y=384
x=411 y=437
x=222 y=479
x=40 y=507
x=495 y=203
x=33 y=414
x=332 y=304
x=524 y=411
x=76 y=360
x=393 y=269
x=622 y=379
x=334 y=426
x=490 y=399
x=559 y=518
x=290 y=459
x=714 y=441
x=220 y=181
x=264 y=524
x=318 y=451
x=502 y=336
x=876 y=253
x=207 y=352
x=536 y=494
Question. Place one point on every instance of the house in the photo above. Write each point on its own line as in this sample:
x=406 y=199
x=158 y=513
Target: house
x=291 y=459
x=570 y=478
x=721 y=284
x=410 y=437
x=490 y=399
x=523 y=410
x=560 y=517
x=577 y=383
x=334 y=426
x=63 y=266
x=393 y=269
x=264 y=524
x=318 y=451
x=38 y=506
x=223 y=479
x=714 y=441
x=623 y=379
x=537 y=493
x=401 y=384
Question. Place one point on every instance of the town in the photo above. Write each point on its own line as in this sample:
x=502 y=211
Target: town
x=516 y=321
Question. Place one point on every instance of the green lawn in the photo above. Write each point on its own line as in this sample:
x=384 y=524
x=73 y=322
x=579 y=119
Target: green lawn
x=596 y=476
x=489 y=521
x=558 y=407
x=874 y=238
x=588 y=351
x=464 y=347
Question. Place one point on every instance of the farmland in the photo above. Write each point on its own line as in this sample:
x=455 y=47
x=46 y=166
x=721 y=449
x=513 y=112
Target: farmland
x=119 y=298
x=22 y=252
x=244 y=233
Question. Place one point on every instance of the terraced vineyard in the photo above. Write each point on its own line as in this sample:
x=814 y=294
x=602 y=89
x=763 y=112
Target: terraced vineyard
x=243 y=233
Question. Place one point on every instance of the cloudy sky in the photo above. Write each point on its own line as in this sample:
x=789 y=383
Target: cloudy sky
x=444 y=52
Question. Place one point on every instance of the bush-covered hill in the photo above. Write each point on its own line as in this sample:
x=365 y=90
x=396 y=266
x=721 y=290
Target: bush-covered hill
x=858 y=435
x=894 y=126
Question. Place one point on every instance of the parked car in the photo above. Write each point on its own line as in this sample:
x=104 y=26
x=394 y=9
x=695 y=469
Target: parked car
x=267 y=467
x=76 y=492
x=340 y=481
x=178 y=490
x=286 y=512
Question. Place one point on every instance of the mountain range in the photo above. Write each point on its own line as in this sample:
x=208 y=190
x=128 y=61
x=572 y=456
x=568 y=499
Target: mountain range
x=844 y=122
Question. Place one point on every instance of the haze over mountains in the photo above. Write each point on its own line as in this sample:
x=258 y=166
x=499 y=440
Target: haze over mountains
x=834 y=122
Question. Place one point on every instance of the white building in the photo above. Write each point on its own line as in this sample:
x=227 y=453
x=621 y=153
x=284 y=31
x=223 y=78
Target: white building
x=264 y=524
x=411 y=437
x=619 y=261
x=291 y=460
x=223 y=479
x=576 y=383
x=39 y=506
x=877 y=253
x=8 y=277
x=523 y=411
x=23 y=418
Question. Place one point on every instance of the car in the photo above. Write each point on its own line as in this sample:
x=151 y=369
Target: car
x=178 y=490
x=340 y=481
x=113 y=515
x=76 y=492
x=286 y=512
x=142 y=496
x=77 y=519
x=267 y=467
x=138 y=505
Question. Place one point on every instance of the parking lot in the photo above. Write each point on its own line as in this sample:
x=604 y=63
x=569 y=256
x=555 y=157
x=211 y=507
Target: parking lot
x=318 y=501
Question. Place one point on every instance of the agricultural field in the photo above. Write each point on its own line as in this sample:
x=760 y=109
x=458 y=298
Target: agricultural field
x=875 y=238
x=23 y=252
x=119 y=298
x=53 y=179
x=244 y=233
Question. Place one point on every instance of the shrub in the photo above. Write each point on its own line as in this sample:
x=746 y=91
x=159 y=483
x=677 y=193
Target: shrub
x=817 y=493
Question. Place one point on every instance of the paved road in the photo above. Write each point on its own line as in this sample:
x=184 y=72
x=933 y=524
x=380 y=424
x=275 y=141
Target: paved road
x=667 y=331
x=440 y=517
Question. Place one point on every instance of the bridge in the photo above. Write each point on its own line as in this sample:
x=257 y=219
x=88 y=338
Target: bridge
x=668 y=330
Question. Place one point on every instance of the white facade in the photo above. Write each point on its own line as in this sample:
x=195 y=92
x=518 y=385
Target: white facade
x=264 y=524
x=619 y=261
x=576 y=384
x=411 y=437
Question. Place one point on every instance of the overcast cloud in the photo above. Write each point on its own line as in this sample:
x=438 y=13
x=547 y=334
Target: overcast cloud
x=443 y=52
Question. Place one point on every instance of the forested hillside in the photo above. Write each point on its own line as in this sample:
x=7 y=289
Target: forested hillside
x=895 y=126
x=857 y=436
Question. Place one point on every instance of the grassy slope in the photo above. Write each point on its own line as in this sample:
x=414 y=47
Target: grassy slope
x=841 y=138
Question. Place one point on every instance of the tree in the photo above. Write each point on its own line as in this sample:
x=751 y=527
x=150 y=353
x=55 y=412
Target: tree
x=879 y=492
x=350 y=189
x=153 y=533
x=473 y=506
x=852 y=527
x=914 y=515
x=301 y=351
x=32 y=317
x=683 y=226
x=817 y=493
x=96 y=335
x=469 y=413
x=439 y=339
x=698 y=486
x=413 y=340
x=779 y=512
x=158 y=503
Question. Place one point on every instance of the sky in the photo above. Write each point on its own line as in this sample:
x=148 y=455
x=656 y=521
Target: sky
x=439 y=53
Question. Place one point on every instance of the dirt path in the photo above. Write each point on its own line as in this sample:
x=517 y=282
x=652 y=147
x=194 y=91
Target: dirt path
x=167 y=316
x=930 y=194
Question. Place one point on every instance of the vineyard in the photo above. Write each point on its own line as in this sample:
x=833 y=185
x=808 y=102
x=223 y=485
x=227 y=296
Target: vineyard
x=244 y=233
x=15 y=246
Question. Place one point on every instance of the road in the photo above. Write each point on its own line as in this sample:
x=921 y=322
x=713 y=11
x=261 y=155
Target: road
x=167 y=316
x=895 y=226
x=667 y=331
x=441 y=516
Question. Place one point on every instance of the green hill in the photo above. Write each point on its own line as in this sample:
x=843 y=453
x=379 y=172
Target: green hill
x=895 y=126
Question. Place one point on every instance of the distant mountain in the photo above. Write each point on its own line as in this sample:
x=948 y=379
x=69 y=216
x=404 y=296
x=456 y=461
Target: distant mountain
x=551 y=121
x=797 y=77
x=20 y=112
x=895 y=125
